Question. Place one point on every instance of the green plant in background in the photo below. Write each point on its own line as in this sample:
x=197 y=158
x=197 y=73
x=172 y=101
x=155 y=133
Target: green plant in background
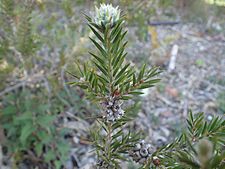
x=32 y=94
x=199 y=62
x=6 y=15
x=109 y=80
x=30 y=131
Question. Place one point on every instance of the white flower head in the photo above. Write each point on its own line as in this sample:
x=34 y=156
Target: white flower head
x=106 y=14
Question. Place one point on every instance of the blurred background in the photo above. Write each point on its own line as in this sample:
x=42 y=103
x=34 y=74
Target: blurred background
x=45 y=122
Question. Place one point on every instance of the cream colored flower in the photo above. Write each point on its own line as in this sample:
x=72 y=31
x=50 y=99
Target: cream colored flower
x=106 y=14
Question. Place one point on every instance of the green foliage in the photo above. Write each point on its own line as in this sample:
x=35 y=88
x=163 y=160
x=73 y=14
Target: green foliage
x=109 y=72
x=25 y=37
x=113 y=143
x=199 y=62
x=6 y=31
x=107 y=80
x=31 y=132
x=186 y=151
x=32 y=94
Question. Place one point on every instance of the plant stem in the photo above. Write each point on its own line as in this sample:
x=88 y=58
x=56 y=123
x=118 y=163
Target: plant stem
x=109 y=134
x=108 y=142
x=109 y=57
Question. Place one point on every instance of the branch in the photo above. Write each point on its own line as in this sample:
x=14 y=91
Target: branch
x=162 y=23
x=24 y=82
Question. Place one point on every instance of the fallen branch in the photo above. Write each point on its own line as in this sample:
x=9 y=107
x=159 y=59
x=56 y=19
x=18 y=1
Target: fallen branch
x=173 y=57
x=163 y=23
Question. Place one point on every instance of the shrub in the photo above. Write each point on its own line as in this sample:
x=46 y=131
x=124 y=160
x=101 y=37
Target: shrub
x=32 y=95
x=109 y=80
x=30 y=131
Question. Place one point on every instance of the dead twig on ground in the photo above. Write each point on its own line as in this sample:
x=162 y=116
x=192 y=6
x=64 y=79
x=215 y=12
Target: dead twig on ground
x=173 y=57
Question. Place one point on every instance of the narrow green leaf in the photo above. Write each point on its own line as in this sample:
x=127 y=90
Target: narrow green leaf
x=153 y=81
x=153 y=72
x=93 y=83
x=103 y=79
x=96 y=26
x=134 y=79
x=26 y=116
x=119 y=157
x=72 y=83
x=135 y=93
x=101 y=68
x=191 y=116
x=189 y=123
x=102 y=51
x=72 y=74
x=117 y=56
x=39 y=148
x=127 y=82
x=83 y=86
x=141 y=74
x=46 y=120
x=123 y=35
x=119 y=60
x=91 y=77
x=118 y=134
x=26 y=131
x=127 y=87
x=144 y=86
x=204 y=128
x=122 y=70
x=87 y=17
x=126 y=97
x=116 y=29
x=117 y=36
x=106 y=33
x=118 y=64
x=101 y=61
x=96 y=33
x=79 y=68
x=213 y=124
x=85 y=69
x=103 y=26
x=120 y=80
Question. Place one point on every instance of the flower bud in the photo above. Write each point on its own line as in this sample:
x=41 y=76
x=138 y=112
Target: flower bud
x=106 y=14
x=112 y=108
x=141 y=152
x=137 y=147
x=144 y=152
x=156 y=161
